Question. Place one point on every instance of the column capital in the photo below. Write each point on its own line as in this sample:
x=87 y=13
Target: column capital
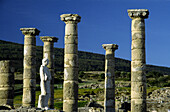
x=48 y=39
x=30 y=31
x=110 y=46
x=138 y=13
x=70 y=18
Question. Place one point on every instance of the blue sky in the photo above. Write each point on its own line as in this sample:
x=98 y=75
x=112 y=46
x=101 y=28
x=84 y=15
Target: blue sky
x=103 y=22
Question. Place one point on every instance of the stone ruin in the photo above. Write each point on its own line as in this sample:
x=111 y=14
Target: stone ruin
x=70 y=90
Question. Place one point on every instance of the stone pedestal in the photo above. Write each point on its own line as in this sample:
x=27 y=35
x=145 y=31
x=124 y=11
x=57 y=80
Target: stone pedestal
x=109 y=95
x=138 y=63
x=6 y=83
x=70 y=92
x=49 y=49
x=29 y=75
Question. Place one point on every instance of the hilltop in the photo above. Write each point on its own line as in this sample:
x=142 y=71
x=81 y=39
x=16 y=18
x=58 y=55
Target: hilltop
x=87 y=61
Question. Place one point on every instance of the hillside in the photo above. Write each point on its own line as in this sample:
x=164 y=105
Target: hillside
x=87 y=61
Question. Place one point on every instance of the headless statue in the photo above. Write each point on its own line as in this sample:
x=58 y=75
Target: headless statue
x=45 y=77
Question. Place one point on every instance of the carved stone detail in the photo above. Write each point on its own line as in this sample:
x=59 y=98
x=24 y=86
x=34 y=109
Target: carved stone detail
x=138 y=63
x=109 y=96
x=70 y=93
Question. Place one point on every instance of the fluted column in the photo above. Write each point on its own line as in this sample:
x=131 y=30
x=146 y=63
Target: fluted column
x=109 y=95
x=49 y=49
x=138 y=63
x=70 y=93
x=29 y=75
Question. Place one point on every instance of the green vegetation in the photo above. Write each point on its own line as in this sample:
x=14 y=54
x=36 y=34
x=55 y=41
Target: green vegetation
x=157 y=77
x=87 y=61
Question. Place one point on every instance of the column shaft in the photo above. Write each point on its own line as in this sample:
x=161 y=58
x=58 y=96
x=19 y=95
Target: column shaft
x=29 y=75
x=70 y=93
x=138 y=63
x=109 y=95
x=49 y=49
x=6 y=83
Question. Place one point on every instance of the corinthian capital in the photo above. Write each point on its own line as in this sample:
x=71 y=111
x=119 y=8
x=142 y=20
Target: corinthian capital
x=70 y=18
x=30 y=31
x=110 y=46
x=138 y=13
x=48 y=39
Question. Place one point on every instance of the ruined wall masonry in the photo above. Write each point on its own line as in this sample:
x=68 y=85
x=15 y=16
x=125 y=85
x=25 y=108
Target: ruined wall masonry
x=70 y=92
x=29 y=75
x=138 y=63
x=109 y=95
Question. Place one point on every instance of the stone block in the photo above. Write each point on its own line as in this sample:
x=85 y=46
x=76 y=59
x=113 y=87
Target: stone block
x=6 y=79
x=48 y=47
x=71 y=39
x=70 y=105
x=138 y=44
x=138 y=105
x=71 y=29
x=109 y=103
x=29 y=50
x=7 y=66
x=109 y=83
x=71 y=60
x=70 y=90
x=109 y=93
x=29 y=73
x=138 y=76
x=29 y=83
x=71 y=49
x=28 y=97
x=29 y=61
x=138 y=54
x=138 y=90
x=71 y=74
x=138 y=35
x=30 y=40
x=138 y=25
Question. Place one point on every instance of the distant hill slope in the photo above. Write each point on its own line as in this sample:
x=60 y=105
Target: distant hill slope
x=87 y=61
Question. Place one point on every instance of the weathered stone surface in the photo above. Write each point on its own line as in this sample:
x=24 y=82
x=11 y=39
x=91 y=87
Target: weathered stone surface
x=138 y=89
x=29 y=73
x=71 y=39
x=28 y=97
x=29 y=83
x=71 y=60
x=29 y=66
x=109 y=97
x=30 y=31
x=138 y=63
x=70 y=105
x=6 y=83
x=6 y=66
x=138 y=54
x=71 y=49
x=139 y=105
x=49 y=49
x=70 y=74
x=138 y=13
x=30 y=40
x=70 y=95
x=70 y=90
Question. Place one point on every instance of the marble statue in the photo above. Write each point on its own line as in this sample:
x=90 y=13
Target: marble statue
x=45 y=77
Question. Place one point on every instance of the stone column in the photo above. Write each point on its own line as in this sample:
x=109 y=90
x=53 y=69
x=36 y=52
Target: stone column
x=138 y=63
x=109 y=95
x=6 y=83
x=49 y=49
x=70 y=93
x=29 y=75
